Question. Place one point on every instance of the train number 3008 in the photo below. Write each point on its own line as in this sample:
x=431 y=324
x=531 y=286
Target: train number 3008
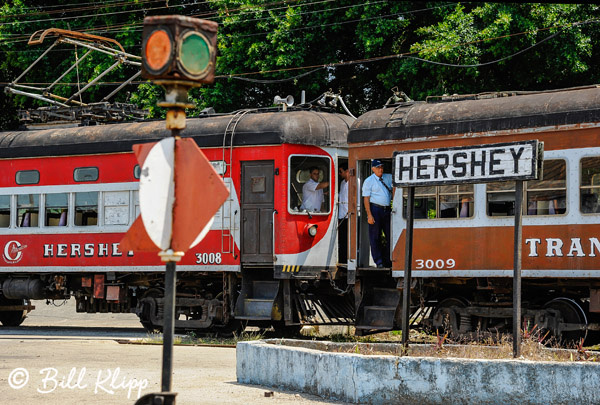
x=435 y=264
x=208 y=258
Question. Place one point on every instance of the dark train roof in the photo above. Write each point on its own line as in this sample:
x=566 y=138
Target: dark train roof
x=255 y=128
x=529 y=110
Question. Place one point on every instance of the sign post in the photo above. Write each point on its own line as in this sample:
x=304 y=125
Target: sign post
x=517 y=161
x=178 y=53
x=517 y=269
x=410 y=210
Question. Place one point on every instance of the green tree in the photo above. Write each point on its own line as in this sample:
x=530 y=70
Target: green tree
x=422 y=48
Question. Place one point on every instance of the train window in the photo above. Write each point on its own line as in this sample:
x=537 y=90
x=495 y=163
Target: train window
x=136 y=203
x=309 y=184
x=116 y=208
x=86 y=208
x=542 y=197
x=589 y=186
x=453 y=201
x=219 y=166
x=85 y=174
x=57 y=209
x=4 y=211
x=27 y=177
x=28 y=206
x=137 y=171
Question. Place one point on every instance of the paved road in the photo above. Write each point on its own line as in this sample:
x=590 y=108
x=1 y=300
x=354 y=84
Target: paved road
x=61 y=357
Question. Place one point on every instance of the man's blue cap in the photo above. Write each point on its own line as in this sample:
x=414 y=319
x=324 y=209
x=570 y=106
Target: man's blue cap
x=376 y=163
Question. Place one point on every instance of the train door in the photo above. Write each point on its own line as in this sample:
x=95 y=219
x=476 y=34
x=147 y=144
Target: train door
x=342 y=212
x=257 y=204
x=364 y=249
x=362 y=231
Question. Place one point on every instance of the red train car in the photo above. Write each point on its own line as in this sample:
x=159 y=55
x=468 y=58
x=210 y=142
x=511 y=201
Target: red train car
x=68 y=195
x=463 y=233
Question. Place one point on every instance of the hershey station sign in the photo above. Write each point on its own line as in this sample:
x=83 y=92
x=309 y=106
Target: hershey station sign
x=468 y=164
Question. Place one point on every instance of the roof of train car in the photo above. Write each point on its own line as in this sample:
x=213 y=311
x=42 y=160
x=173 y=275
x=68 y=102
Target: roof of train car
x=529 y=110
x=256 y=128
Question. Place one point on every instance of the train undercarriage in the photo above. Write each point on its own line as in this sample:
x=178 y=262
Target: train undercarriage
x=224 y=303
x=221 y=303
x=481 y=308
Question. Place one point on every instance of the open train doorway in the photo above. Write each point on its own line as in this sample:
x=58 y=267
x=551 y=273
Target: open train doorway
x=365 y=259
x=342 y=212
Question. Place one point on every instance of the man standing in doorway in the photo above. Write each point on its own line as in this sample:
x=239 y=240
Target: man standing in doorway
x=343 y=215
x=312 y=192
x=377 y=197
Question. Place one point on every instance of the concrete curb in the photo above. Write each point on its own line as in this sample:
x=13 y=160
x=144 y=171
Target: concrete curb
x=423 y=380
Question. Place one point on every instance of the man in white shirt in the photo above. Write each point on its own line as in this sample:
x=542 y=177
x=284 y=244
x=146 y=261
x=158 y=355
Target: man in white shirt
x=377 y=197
x=312 y=192
x=343 y=214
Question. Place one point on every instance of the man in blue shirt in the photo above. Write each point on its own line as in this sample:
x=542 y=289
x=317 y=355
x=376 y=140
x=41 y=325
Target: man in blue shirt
x=377 y=197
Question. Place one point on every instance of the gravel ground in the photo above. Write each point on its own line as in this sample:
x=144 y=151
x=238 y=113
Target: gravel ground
x=61 y=357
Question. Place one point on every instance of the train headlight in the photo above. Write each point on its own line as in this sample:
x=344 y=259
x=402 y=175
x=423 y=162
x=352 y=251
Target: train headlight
x=311 y=229
x=179 y=48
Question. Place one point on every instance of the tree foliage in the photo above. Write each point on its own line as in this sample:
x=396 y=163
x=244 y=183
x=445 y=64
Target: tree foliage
x=359 y=49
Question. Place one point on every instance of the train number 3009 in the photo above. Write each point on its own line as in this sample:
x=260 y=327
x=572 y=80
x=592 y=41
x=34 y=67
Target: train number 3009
x=208 y=258
x=435 y=264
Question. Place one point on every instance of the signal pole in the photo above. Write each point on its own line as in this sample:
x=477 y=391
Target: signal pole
x=178 y=53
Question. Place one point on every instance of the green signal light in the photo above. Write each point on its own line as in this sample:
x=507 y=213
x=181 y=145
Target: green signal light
x=194 y=53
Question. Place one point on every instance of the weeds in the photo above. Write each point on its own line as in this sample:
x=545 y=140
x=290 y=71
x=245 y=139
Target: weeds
x=190 y=339
x=439 y=344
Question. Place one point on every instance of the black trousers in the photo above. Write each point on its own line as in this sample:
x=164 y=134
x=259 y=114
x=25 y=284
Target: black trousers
x=379 y=250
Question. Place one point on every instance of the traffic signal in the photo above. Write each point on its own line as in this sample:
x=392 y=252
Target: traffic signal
x=179 y=48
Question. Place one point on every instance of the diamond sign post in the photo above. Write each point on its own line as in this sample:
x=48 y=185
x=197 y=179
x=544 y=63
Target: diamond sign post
x=176 y=178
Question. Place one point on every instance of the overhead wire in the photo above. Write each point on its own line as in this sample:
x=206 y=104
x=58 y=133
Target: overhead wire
x=121 y=27
x=64 y=10
x=124 y=26
x=76 y=17
x=407 y=55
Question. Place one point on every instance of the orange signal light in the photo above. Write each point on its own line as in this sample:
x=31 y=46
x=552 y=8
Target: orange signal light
x=158 y=50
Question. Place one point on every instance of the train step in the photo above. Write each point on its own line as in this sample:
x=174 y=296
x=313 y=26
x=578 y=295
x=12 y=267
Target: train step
x=265 y=289
x=386 y=297
x=256 y=300
x=257 y=308
x=377 y=316
x=378 y=311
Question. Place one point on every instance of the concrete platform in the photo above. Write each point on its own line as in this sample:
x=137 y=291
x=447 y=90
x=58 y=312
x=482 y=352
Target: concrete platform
x=327 y=370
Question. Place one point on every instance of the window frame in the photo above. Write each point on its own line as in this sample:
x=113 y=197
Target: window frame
x=590 y=187
x=45 y=206
x=290 y=188
x=10 y=204
x=86 y=167
x=436 y=196
x=99 y=195
x=27 y=171
x=526 y=191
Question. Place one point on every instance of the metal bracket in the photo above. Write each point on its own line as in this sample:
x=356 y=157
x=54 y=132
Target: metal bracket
x=67 y=108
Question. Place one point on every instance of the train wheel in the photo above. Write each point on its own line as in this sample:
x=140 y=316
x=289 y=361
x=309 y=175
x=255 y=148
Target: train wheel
x=12 y=318
x=445 y=318
x=571 y=312
x=147 y=308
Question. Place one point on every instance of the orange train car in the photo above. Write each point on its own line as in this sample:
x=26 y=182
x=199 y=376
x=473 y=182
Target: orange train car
x=463 y=233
